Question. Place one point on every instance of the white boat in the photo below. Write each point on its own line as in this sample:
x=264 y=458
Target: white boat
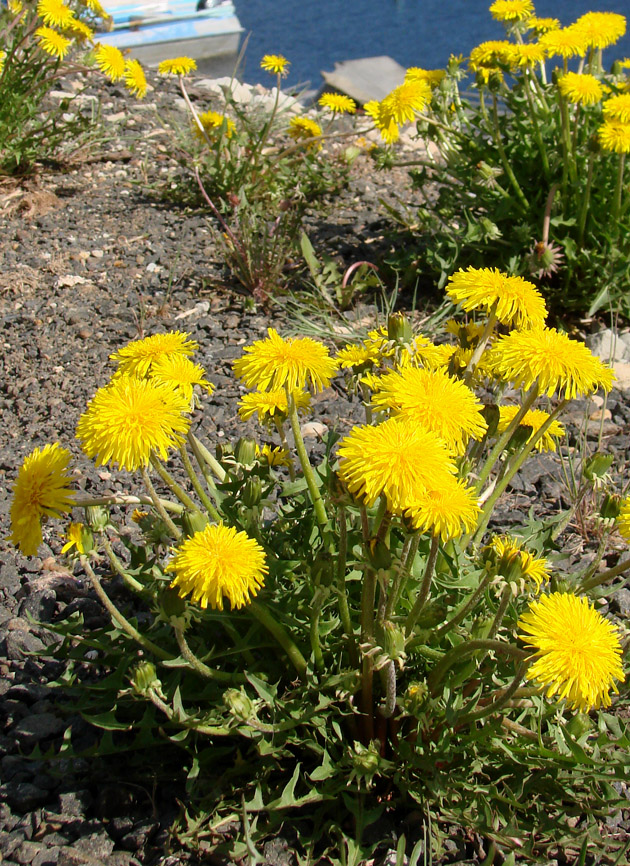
x=205 y=30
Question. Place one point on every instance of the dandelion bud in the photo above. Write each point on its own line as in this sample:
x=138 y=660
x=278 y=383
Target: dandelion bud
x=596 y=468
x=415 y=696
x=579 y=724
x=399 y=328
x=96 y=517
x=252 y=492
x=194 y=521
x=172 y=604
x=144 y=679
x=520 y=437
x=238 y=704
x=366 y=759
x=245 y=452
x=380 y=555
x=610 y=508
x=394 y=641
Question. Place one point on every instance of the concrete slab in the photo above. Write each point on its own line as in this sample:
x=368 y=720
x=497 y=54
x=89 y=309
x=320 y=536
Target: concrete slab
x=366 y=78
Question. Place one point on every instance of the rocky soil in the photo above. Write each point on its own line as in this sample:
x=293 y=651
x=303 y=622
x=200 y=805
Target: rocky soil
x=90 y=259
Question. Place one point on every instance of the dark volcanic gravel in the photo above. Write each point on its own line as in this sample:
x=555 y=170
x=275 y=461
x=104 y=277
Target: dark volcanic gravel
x=90 y=259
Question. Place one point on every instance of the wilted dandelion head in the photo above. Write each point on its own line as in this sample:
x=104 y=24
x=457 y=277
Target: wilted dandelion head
x=218 y=563
x=295 y=363
x=580 y=88
x=137 y=358
x=41 y=488
x=578 y=651
x=130 y=419
x=435 y=401
x=553 y=361
x=516 y=301
x=396 y=459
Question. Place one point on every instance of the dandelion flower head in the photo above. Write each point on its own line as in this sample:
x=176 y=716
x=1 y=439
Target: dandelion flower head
x=137 y=358
x=55 y=13
x=614 y=136
x=534 y=418
x=578 y=651
x=213 y=121
x=303 y=128
x=433 y=77
x=177 y=66
x=601 y=29
x=276 y=64
x=219 y=563
x=130 y=419
x=42 y=488
x=180 y=371
x=494 y=52
x=397 y=459
x=357 y=358
x=338 y=103
x=550 y=358
x=110 y=61
x=617 y=108
x=135 y=79
x=542 y=25
x=447 y=511
x=293 y=363
x=274 y=456
x=53 y=43
x=566 y=43
x=527 y=55
x=509 y=553
x=435 y=401
x=80 y=31
x=74 y=538
x=512 y=10
x=580 y=88
x=623 y=519
x=272 y=404
x=516 y=301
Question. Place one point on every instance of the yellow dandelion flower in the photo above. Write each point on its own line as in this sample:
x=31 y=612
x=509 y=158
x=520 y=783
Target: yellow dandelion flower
x=433 y=77
x=15 y=6
x=292 y=363
x=213 y=121
x=138 y=357
x=80 y=31
x=303 y=128
x=510 y=557
x=135 y=79
x=405 y=101
x=581 y=88
x=55 y=13
x=130 y=419
x=553 y=361
x=615 y=136
x=338 y=103
x=177 y=66
x=378 y=342
x=276 y=64
x=534 y=418
x=357 y=358
x=617 y=108
x=42 y=488
x=601 y=29
x=623 y=519
x=96 y=7
x=512 y=10
x=52 y=43
x=542 y=25
x=180 y=371
x=219 y=563
x=3 y=55
x=110 y=61
x=467 y=333
x=578 y=651
x=526 y=56
x=270 y=404
x=566 y=43
x=430 y=356
x=397 y=459
x=370 y=381
x=448 y=511
x=516 y=301
x=435 y=401
x=74 y=537
x=491 y=54
x=137 y=515
x=273 y=456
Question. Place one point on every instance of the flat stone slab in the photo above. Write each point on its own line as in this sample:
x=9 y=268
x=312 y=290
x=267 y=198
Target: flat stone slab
x=367 y=78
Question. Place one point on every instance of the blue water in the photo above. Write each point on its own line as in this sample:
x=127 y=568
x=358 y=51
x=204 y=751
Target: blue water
x=313 y=34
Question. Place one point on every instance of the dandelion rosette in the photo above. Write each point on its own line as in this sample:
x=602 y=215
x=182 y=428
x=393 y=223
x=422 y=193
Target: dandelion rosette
x=42 y=488
x=177 y=66
x=218 y=563
x=292 y=363
x=130 y=419
x=267 y=404
x=338 y=103
x=396 y=459
x=534 y=418
x=447 y=511
x=581 y=88
x=137 y=358
x=549 y=358
x=578 y=651
x=516 y=301
x=276 y=64
x=435 y=401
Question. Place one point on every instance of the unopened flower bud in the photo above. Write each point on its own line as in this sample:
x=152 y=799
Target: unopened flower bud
x=394 y=641
x=238 y=704
x=172 y=604
x=578 y=725
x=415 y=696
x=366 y=759
x=596 y=467
x=252 y=492
x=610 y=507
x=380 y=554
x=194 y=521
x=96 y=517
x=245 y=452
x=399 y=328
x=144 y=679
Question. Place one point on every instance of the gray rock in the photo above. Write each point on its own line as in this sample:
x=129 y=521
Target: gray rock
x=27 y=852
x=74 y=802
x=9 y=842
x=23 y=796
x=607 y=345
x=96 y=845
x=47 y=857
x=138 y=836
x=40 y=605
x=38 y=727
x=620 y=602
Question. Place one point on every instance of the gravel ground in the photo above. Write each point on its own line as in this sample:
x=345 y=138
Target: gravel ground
x=90 y=261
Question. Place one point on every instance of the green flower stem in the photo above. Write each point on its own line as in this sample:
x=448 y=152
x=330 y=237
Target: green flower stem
x=170 y=482
x=503 y=440
x=500 y=701
x=586 y=200
x=206 y=457
x=498 y=617
x=536 y=129
x=468 y=605
x=366 y=397
x=469 y=372
x=365 y=525
x=118 y=619
x=198 y=666
x=194 y=480
x=425 y=586
x=602 y=577
x=307 y=469
x=124 y=499
x=567 y=159
x=208 y=730
x=342 y=595
x=117 y=565
x=319 y=597
x=507 y=168
x=367 y=634
x=380 y=518
x=175 y=532
x=272 y=624
x=283 y=442
x=467 y=648
x=586 y=574
x=513 y=469
x=388 y=679
x=404 y=570
x=618 y=191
